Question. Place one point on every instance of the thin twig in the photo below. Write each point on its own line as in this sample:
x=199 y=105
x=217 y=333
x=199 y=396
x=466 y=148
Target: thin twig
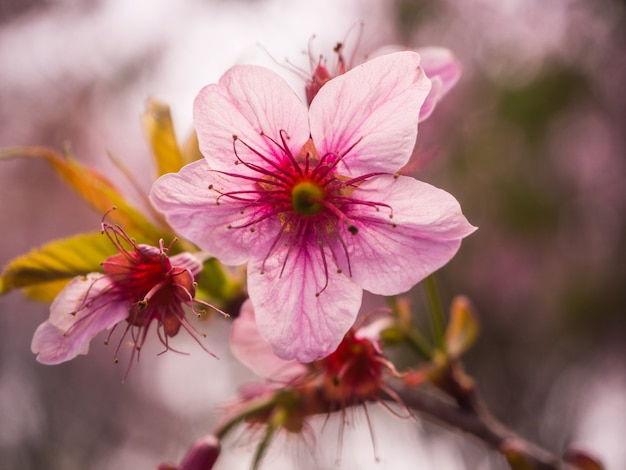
x=469 y=414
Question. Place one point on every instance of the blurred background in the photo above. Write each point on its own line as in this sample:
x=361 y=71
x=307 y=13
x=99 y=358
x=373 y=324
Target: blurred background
x=531 y=141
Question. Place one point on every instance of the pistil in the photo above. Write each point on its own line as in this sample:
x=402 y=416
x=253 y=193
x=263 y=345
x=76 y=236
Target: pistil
x=307 y=197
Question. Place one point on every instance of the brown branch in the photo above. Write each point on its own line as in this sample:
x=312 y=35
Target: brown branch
x=464 y=410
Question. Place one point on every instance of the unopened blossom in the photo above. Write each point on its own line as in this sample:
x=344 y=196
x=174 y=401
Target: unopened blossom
x=310 y=198
x=140 y=285
x=202 y=455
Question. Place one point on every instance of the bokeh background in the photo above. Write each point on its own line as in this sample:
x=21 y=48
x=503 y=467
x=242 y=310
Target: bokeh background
x=532 y=142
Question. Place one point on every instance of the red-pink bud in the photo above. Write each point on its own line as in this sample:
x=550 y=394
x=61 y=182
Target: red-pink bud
x=202 y=454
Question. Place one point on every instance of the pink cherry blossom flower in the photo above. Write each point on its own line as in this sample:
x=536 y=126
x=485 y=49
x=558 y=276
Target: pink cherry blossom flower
x=350 y=374
x=439 y=64
x=139 y=285
x=309 y=197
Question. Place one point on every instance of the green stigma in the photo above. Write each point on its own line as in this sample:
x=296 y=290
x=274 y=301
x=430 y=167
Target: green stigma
x=306 y=197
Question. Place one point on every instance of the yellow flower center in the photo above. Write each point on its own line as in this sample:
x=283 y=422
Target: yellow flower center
x=306 y=197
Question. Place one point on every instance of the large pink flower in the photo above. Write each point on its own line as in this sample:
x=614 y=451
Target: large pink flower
x=310 y=198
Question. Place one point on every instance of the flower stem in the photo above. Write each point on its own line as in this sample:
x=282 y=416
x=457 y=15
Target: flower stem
x=435 y=308
x=418 y=342
x=253 y=410
x=400 y=309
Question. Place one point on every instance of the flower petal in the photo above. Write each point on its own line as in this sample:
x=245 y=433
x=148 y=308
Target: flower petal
x=370 y=114
x=79 y=313
x=248 y=101
x=292 y=315
x=444 y=70
x=191 y=209
x=252 y=350
x=429 y=226
x=441 y=63
x=431 y=100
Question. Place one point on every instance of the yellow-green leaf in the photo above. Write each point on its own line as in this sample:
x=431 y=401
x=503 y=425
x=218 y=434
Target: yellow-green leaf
x=158 y=123
x=92 y=186
x=46 y=291
x=219 y=285
x=45 y=270
x=463 y=327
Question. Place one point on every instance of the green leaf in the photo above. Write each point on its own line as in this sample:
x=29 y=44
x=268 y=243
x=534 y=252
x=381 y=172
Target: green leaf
x=157 y=121
x=46 y=291
x=44 y=271
x=216 y=284
x=463 y=327
x=92 y=186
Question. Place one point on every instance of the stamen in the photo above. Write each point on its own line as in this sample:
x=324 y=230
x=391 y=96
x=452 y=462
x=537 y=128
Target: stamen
x=263 y=181
x=283 y=229
x=345 y=251
x=321 y=247
x=256 y=221
x=339 y=158
x=260 y=155
x=301 y=229
x=285 y=149
x=307 y=195
x=371 y=428
x=351 y=201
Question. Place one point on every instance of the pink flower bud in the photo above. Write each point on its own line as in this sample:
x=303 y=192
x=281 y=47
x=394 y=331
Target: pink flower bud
x=202 y=454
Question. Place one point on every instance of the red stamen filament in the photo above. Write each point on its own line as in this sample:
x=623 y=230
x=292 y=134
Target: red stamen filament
x=311 y=200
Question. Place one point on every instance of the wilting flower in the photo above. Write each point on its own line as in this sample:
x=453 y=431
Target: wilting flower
x=353 y=375
x=310 y=198
x=140 y=284
x=350 y=375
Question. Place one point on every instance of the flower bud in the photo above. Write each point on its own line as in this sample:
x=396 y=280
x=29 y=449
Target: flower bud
x=200 y=456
